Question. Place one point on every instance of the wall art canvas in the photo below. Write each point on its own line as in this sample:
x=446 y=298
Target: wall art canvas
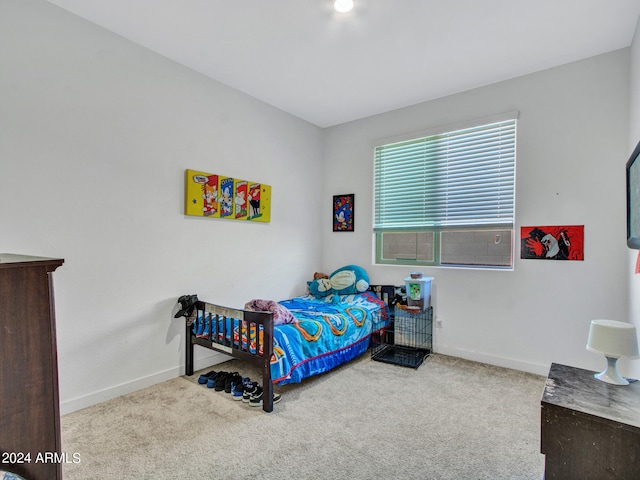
x=343 y=213
x=219 y=196
x=552 y=243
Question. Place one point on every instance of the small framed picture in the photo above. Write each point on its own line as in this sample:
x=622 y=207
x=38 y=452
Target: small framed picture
x=343 y=213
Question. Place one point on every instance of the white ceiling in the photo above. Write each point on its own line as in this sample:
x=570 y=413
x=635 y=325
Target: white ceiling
x=329 y=68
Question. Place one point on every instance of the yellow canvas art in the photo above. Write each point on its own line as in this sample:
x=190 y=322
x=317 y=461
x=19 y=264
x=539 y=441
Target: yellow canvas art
x=219 y=196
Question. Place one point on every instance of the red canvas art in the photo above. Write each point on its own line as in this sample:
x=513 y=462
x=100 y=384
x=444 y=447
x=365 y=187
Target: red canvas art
x=552 y=243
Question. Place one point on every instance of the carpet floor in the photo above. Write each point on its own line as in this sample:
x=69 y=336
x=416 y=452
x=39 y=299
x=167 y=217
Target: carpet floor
x=449 y=419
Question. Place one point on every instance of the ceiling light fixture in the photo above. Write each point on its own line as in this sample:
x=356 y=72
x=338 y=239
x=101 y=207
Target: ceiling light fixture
x=343 y=6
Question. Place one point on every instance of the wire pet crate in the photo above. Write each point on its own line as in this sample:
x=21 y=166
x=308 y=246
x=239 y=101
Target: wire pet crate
x=408 y=342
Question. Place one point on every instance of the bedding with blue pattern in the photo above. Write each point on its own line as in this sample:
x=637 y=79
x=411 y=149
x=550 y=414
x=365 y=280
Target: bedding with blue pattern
x=326 y=334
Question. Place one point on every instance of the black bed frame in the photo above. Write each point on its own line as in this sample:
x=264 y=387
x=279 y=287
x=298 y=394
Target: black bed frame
x=211 y=314
x=238 y=349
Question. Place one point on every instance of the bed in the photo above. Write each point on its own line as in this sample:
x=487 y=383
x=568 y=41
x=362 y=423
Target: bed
x=317 y=334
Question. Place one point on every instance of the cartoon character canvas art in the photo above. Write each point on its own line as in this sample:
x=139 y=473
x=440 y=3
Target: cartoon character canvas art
x=552 y=242
x=343 y=213
x=226 y=202
x=210 y=200
x=254 y=199
x=218 y=196
x=240 y=199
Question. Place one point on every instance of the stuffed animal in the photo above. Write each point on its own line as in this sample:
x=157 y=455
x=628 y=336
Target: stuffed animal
x=320 y=287
x=344 y=281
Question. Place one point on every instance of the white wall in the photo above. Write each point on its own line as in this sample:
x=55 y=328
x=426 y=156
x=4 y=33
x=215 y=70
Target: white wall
x=634 y=138
x=572 y=143
x=95 y=136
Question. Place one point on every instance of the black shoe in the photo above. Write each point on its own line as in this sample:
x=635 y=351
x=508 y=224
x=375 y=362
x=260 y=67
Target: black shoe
x=204 y=378
x=221 y=380
x=212 y=380
x=237 y=390
x=249 y=390
x=231 y=380
x=256 y=399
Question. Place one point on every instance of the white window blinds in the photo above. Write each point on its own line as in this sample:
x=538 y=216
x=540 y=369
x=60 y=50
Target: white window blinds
x=463 y=177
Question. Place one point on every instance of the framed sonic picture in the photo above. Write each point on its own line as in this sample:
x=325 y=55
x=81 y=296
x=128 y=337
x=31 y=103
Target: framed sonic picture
x=343 y=213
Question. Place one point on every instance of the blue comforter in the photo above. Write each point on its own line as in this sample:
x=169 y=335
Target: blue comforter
x=327 y=333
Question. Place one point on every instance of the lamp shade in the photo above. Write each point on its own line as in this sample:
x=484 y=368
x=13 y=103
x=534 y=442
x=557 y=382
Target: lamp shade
x=612 y=338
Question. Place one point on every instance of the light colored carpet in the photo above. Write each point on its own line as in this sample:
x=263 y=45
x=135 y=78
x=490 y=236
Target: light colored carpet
x=449 y=419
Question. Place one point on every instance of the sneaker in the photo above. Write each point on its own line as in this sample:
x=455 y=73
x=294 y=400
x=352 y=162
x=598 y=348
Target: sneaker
x=256 y=399
x=220 y=381
x=212 y=379
x=204 y=378
x=249 y=390
x=237 y=391
x=231 y=380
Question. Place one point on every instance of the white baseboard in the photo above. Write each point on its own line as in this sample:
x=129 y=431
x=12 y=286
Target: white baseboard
x=498 y=361
x=78 y=403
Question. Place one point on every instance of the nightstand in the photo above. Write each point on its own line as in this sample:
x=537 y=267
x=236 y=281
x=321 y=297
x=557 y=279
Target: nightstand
x=589 y=429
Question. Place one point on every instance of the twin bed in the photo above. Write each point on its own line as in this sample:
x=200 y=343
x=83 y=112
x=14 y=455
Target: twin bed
x=292 y=339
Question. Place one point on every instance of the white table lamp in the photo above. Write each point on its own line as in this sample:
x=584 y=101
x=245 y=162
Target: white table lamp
x=614 y=340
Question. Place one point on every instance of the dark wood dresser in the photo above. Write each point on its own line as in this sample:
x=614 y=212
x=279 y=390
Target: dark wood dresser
x=590 y=429
x=29 y=403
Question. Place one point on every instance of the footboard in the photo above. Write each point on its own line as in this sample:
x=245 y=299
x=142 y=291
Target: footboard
x=243 y=334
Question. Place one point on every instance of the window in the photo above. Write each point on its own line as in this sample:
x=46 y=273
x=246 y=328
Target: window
x=447 y=199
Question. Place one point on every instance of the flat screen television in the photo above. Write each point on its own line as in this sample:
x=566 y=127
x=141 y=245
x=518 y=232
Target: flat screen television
x=633 y=199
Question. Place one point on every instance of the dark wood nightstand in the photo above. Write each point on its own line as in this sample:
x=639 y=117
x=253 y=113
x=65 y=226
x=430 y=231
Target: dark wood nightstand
x=589 y=429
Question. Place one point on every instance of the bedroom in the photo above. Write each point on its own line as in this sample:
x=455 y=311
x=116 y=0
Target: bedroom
x=97 y=132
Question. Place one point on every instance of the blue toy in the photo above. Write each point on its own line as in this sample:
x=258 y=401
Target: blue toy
x=320 y=287
x=344 y=281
